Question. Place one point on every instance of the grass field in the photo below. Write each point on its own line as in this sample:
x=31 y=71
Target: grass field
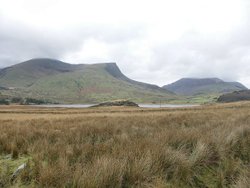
x=207 y=146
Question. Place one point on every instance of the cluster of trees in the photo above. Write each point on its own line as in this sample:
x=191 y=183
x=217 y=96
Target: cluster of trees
x=4 y=102
x=23 y=101
x=35 y=101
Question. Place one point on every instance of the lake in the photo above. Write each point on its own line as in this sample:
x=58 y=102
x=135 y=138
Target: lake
x=140 y=105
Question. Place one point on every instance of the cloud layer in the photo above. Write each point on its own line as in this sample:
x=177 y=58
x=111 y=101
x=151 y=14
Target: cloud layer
x=153 y=41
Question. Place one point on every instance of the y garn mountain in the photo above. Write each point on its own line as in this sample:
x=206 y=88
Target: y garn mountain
x=83 y=83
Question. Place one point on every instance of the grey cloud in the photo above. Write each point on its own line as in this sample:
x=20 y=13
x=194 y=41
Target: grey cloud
x=195 y=54
x=199 y=55
x=20 y=42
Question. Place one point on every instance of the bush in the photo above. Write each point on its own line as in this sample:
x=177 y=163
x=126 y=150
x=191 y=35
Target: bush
x=17 y=100
x=35 y=101
x=4 y=102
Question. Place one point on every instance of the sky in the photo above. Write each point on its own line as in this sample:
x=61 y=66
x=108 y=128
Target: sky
x=153 y=41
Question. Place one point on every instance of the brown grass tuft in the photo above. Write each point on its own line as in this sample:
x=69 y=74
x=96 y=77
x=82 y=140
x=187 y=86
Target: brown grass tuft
x=127 y=147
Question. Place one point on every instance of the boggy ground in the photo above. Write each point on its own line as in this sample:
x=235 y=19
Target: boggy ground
x=205 y=146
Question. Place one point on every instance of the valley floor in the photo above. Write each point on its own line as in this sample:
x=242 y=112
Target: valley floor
x=205 y=146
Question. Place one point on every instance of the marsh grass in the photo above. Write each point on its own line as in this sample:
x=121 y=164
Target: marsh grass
x=128 y=147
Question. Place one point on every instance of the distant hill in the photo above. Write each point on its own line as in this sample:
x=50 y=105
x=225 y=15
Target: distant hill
x=235 y=96
x=203 y=86
x=69 y=83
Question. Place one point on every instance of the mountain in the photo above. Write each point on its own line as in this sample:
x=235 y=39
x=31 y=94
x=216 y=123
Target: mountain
x=27 y=73
x=203 y=86
x=235 y=96
x=83 y=83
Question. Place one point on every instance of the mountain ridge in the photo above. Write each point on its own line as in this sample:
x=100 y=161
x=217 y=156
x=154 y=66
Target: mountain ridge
x=195 y=86
x=76 y=83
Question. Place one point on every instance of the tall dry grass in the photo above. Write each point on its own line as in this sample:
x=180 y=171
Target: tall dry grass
x=119 y=147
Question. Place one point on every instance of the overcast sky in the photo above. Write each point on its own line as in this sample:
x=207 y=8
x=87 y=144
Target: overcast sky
x=154 y=41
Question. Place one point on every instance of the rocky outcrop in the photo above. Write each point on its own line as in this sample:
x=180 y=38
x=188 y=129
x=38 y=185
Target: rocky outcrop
x=18 y=170
x=117 y=103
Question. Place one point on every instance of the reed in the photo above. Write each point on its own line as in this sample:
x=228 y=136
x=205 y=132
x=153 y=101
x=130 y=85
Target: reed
x=205 y=146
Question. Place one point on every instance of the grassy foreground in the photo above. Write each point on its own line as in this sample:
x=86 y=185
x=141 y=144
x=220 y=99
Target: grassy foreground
x=126 y=147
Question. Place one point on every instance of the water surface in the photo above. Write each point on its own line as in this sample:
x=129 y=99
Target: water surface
x=140 y=105
x=167 y=105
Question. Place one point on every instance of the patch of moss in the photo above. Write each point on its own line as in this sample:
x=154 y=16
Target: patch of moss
x=8 y=166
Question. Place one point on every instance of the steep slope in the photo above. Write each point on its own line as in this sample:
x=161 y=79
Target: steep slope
x=204 y=86
x=113 y=70
x=235 y=96
x=67 y=83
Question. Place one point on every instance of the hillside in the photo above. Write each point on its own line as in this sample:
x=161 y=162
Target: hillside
x=27 y=73
x=204 y=86
x=235 y=96
x=67 y=83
